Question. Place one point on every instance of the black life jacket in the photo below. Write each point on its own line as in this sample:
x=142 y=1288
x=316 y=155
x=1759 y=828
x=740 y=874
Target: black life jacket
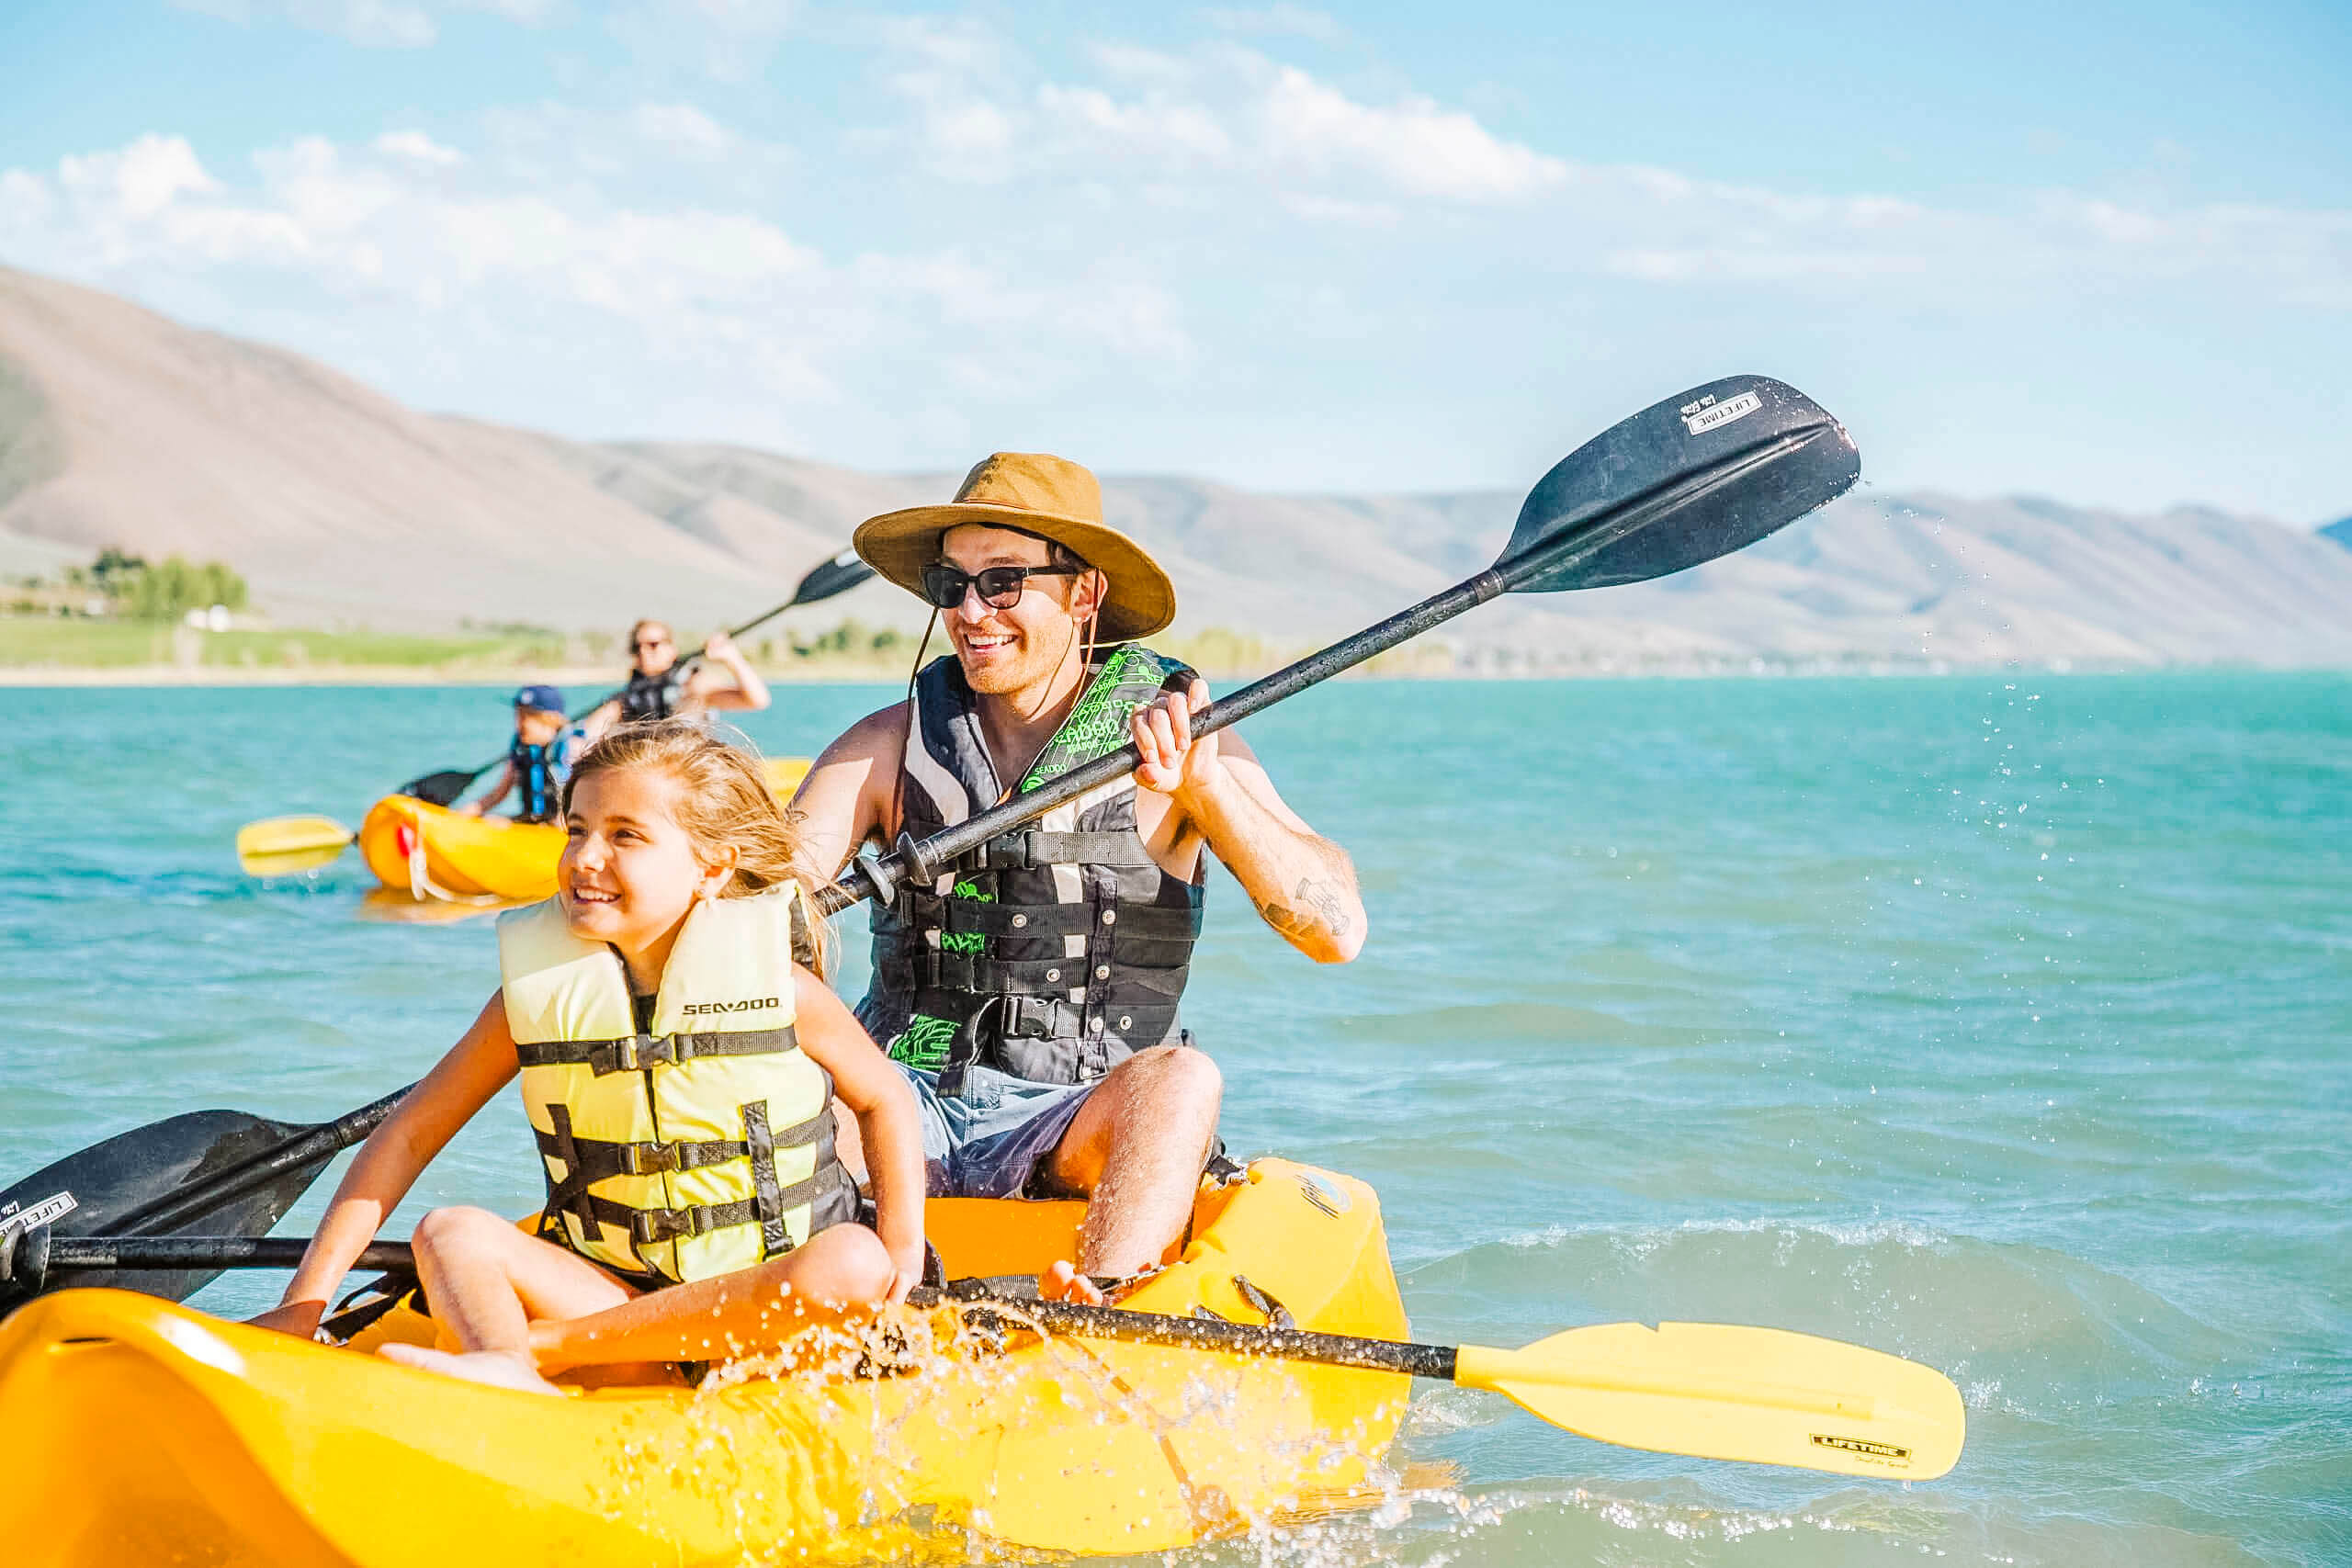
x=535 y=779
x=652 y=696
x=1056 y=951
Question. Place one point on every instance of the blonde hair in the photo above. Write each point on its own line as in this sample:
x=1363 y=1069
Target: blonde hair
x=723 y=800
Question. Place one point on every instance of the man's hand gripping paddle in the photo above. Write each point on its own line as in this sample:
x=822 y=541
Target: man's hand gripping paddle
x=286 y=846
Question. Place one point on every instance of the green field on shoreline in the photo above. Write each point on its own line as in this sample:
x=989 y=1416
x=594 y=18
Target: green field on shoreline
x=123 y=649
x=78 y=643
x=86 y=645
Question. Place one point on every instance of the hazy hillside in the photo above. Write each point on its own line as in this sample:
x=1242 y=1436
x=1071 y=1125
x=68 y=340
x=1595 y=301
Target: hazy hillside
x=119 y=427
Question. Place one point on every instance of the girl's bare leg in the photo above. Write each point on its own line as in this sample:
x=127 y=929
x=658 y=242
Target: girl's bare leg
x=488 y=1281
x=841 y=1271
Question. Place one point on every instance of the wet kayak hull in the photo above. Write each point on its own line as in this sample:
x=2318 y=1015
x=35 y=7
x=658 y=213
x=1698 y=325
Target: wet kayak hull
x=134 y=1430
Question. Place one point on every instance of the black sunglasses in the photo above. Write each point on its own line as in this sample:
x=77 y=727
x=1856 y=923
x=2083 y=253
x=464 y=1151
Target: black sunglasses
x=1000 y=586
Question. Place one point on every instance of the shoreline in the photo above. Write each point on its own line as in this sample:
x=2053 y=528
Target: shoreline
x=167 y=677
x=164 y=676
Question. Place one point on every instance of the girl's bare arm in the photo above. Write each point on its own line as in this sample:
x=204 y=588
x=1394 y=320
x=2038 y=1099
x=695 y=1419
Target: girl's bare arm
x=480 y=1064
x=887 y=1123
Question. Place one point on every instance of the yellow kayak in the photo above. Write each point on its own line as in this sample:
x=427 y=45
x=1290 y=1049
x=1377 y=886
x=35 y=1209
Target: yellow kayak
x=431 y=851
x=132 y=1430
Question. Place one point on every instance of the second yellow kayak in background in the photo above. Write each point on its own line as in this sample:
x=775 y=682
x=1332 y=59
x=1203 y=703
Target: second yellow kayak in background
x=431 y=851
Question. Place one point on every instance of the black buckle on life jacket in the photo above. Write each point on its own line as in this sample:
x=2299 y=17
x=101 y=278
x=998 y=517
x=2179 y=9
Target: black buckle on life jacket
x=633 y=1052
x=647 y=1227
x=648 y=1159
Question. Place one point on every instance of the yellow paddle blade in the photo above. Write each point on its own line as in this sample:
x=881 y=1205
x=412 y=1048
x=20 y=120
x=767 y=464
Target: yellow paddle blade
x=283 y=846
x=1764 y=1396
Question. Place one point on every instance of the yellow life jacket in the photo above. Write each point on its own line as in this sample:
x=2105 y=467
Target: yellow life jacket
x=700 y=1146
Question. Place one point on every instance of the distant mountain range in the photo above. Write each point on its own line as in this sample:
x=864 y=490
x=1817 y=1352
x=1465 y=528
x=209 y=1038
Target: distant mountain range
x=340 y=506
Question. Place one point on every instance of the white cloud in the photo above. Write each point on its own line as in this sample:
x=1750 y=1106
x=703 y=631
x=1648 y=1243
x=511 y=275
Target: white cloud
x=139 y=181
x=418 y=237
x=417 y=148
x=25 y=200
x=963 y=94
x=1226 y=107
x=1416 y=147
x=1151 y=127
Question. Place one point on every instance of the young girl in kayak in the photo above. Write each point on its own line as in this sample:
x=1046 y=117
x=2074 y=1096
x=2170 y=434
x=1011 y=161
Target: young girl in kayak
x=677 y=1067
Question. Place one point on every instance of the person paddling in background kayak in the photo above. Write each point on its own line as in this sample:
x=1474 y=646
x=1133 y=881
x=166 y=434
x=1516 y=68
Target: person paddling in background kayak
x=1031 y=995
x=537 y=760
x=662 y=686
x=670 y=984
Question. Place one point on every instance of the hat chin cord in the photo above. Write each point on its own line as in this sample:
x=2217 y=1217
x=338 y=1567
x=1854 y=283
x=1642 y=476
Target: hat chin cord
x=1086 y=647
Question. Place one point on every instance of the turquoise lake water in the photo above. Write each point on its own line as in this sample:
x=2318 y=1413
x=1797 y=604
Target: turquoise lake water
x=2000 y=1022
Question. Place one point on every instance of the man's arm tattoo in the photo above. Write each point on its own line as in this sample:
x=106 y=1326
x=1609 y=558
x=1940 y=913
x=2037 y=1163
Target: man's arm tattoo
x=1325 y=904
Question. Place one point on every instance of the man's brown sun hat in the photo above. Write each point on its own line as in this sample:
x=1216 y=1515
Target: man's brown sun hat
x=1051 y=497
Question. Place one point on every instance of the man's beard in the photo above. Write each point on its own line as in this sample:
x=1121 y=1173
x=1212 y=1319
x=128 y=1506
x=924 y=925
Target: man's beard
x=1031 y=666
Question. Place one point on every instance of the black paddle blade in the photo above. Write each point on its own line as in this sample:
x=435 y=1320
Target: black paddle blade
x=92 y=1191
x=1680 y=483
x=838 y=575
x=441 y=788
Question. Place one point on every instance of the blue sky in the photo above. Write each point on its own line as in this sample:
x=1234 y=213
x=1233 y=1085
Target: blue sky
x=2097 y=252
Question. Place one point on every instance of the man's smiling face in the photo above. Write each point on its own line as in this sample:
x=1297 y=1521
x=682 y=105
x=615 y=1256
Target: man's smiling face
x=1012 y=649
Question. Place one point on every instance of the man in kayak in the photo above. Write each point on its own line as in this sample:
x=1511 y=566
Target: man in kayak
x=1031 y=995
x=659 y=687
x=537 y=760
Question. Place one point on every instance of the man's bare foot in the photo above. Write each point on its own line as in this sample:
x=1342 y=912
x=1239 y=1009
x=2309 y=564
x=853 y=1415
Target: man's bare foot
x=499 y=1368
x=1063 y=1283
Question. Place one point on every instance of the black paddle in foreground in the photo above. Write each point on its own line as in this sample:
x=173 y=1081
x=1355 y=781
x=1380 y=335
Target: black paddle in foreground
x=1717 y=1390
x=838 y=575
x=206 y=1171
x=1682 y=483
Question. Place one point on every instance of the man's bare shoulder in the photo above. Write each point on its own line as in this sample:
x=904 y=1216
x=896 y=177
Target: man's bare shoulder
x=877 y=737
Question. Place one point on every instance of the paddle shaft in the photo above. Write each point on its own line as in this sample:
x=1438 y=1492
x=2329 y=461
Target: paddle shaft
x=1210 y=1334
x=315 y=1144
x=174 y=1253
x=182 y=1252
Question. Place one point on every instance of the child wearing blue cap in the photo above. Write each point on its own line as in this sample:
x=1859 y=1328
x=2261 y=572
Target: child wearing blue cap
x=537 y=760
